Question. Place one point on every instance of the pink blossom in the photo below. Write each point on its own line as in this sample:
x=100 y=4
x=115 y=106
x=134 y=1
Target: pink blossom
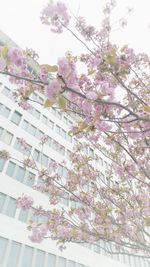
x=87 y=107
x=102 y=126
x=44 y=139
x=67 y=70
x=24 y=202
x=38 y=233
x=56 y=15
x=91 y=95
x=15 y=56
x=52 y=90
x=24 y=105
x=43 y=74
x=2 y=64
x=4 y=155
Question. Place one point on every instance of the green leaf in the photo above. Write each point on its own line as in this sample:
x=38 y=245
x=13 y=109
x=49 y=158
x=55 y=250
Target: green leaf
x=48 y=103
x=147 y=108
x=4 y=51
x=28 y=93
x=50 y=68
x=62 y=102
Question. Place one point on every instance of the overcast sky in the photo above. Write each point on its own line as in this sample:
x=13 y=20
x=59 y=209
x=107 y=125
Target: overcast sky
x=20 y=19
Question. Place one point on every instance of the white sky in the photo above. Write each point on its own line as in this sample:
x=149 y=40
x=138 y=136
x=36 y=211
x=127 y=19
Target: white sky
x=20 y=20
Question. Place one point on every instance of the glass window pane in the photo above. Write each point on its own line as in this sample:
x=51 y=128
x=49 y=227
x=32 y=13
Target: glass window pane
x=20 y=173
x=30 y=178
x=57 y=129
x=44 y=119
x=3 y=247
x=10 y=169
x=5 y=111
x=58 y=114
x=71 y=263
x=36 y=113
x=39 y=134
x=32 y=129
x=23 y=215
x=25 y=125
x=11 y=207
x=1 y=131
x=51 y=260
x=27 y=257
x=2 y=163
x=32 y=215
x=69 y=138
x=44 y=160
x=7 y=138
x=6 y=91
x=39 y=262
x=36 y=155
x=16 y=117
x=51 y=124
x=2 y=201
x=61 y=262
x=63 y=133
x=14 y=254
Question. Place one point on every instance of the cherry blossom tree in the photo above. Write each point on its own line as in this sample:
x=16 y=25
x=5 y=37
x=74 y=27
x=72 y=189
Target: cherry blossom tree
x=115 y=209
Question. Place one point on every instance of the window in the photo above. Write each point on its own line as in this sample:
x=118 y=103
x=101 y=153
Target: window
x=39 y=258
x=57 y=129
x=62 y=150
x=1 y=131
x=65 y=200
x=20 y=174
x=32 y=130
x=25 y=125
x=65 y=172
x=3 y=247
x=55 y=145
x=91 y=152
x=60 y=170
x=27 y=257
x=39 y=134
x=19 y=147
x=68 y=154
x=71 y=263
x=58 y=114
x=49 y=141
x=10 y=169
x=14 y=254
x=51 y=124
x=6 y=91
x=23 y=215
x=69 y=138
x=63 y=133
x=2 y=163
x=16 y=117
x=61 y=262
x=54 y=111
x=2 y=201
x=65 y=120
x=44 y=160
x=11 y=207
x=37 y=155
x=44 y=119
x=6 y=137
x=29 y=179
x=36 y=113
x=51 y=260
x=4 y=111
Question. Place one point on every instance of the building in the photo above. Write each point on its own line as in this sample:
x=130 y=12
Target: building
x=16 y=250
